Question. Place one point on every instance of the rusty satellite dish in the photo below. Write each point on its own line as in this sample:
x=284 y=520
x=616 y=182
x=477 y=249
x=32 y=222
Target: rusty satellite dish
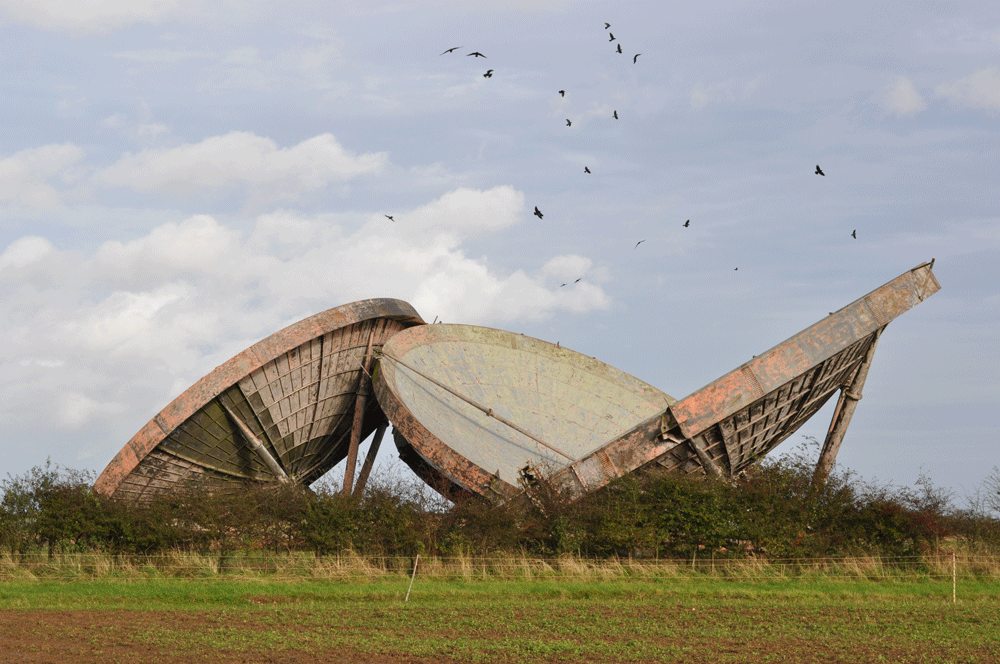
x=474 y=408
x=283 y=410
x=480 y=410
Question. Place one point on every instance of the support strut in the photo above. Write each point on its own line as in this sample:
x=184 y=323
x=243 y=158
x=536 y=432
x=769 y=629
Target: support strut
x=850 y=395
x=359 y=413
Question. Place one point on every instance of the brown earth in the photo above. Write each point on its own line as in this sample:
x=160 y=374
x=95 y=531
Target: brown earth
x=104 y=637
x=111 y=636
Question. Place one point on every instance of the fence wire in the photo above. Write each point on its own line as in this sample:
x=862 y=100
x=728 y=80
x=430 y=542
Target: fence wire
x=291 y=566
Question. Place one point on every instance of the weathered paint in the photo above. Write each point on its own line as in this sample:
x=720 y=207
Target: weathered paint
x=294 y=390
x=563 y=404
x=748 y=412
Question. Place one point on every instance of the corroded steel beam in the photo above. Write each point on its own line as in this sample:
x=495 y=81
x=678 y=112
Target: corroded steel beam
x=743 y=415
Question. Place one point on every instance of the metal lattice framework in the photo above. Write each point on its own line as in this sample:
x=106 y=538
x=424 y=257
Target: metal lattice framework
x=287 y=409
x=469 y=407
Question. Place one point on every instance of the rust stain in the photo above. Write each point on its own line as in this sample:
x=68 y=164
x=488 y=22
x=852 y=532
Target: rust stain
x=232 y=371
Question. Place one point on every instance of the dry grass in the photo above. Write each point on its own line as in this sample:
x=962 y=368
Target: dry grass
x=352 y=567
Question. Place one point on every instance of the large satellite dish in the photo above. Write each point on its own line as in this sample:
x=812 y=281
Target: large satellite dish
x=476 y=409
x=284 y=410
x=482 y=411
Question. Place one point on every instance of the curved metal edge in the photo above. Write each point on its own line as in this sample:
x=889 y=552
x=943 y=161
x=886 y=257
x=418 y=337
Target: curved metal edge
x=406 y=341
x=231 y=371
x=431 y=452
x=425 y=453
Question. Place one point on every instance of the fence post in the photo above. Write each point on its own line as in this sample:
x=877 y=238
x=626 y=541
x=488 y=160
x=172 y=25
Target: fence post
x=413 y=576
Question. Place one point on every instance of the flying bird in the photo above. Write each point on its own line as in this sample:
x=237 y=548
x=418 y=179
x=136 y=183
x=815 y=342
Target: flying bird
x=819 y=171
x=477 y=54
x=636 y=57
x=638 y=243
x=612 y=35
x=488 y=74
x=562 y=92
x=854 y=233
x=619 y=48
x=562 y=285
x=452 y=49
x=736 y=268
x=586 y=170
x=568 y=123
x=607 y=25
x=616 y=115
x=538 y=213
x=577 y=281
x=687 y=223
x=389 y=217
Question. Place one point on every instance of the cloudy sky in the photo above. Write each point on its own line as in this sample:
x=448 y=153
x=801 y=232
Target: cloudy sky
x=179 y=179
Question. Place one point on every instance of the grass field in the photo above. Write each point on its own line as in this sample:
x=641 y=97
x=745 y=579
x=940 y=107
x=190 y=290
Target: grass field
x=673 y=615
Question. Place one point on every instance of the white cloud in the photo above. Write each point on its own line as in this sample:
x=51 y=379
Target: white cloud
x=196 y=246
x=136 y=318
x=75 y=409
x=567 y=267
x=85 y=16
x=26 y=176
x=220 y=164
x=978 y=90
x=25 y=251
x=901 y=98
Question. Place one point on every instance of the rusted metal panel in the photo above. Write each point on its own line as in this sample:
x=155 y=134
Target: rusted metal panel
x=745 y=414
x=294 y=391
x=814 y=345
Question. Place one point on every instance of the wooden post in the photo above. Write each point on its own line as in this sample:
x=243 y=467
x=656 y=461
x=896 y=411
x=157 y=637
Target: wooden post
x=848 y=401
x=366 y=468
x=359 y=413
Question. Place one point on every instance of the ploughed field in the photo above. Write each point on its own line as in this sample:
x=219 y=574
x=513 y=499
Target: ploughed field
x=456 y=620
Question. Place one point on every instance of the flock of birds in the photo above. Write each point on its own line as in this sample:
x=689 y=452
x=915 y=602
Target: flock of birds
x=569 y=123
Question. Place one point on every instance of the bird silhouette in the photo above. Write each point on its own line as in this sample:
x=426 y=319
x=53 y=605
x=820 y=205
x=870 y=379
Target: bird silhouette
x=488 y=74
x=687 y=223
x=477 y=54
x=568 y=123
x=607 y=25
x=562 y=92
x=538 y=213
x=854 y=233
x=616 y=115
x=819 y=171
x=578 y=280
x=635 y=57
x=612 y=35
x=389 y=217
x=586 y=170
x=562 y=285
x=638 y=243
x=736 y=268
x=619 y=48
x=452 y=49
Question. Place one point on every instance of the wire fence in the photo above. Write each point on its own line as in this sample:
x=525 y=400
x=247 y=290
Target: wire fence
x=943 y=565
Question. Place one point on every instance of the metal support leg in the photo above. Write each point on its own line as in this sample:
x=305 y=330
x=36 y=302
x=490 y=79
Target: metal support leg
x=711 y=468
x=366 y=468
x=850 y=395
x=359 y=413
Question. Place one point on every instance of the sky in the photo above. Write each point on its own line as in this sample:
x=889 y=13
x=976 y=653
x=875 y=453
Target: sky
x=179 y=179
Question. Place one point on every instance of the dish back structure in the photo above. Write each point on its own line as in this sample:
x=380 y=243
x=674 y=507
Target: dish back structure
x=286 y=409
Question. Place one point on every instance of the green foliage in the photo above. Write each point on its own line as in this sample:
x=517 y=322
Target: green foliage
x=774 y=510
